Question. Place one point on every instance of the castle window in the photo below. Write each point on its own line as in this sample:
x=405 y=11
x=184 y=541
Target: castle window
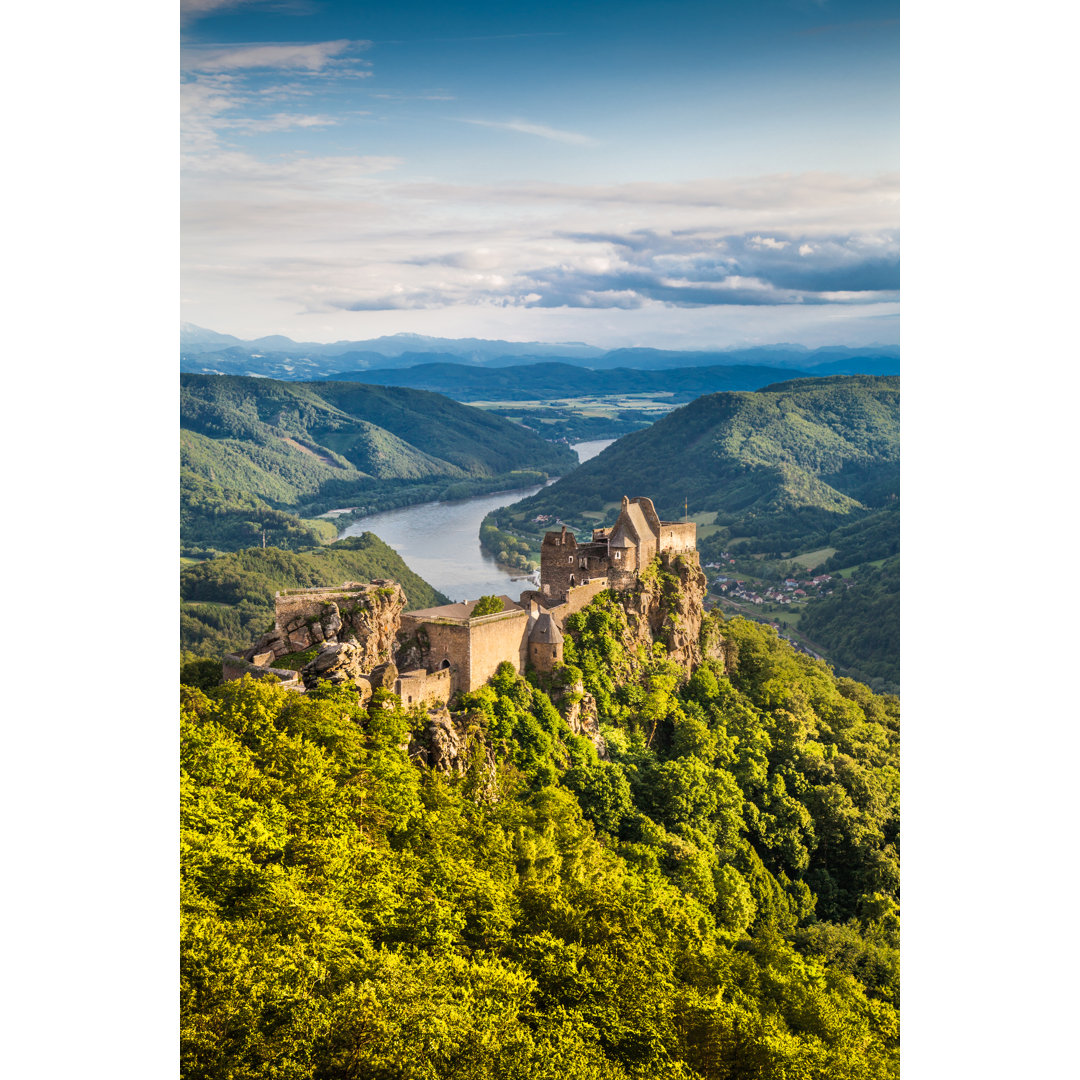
x=618 y=554
x=570 y=560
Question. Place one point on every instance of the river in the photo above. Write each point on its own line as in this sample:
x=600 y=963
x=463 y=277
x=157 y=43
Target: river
x=440 y=541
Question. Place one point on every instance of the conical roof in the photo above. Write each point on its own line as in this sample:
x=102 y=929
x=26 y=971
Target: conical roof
x=546 y=632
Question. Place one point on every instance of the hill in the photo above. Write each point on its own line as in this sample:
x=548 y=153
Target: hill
x=258 y=454
x=807 y=465
x=621 y=873
x=779 y=468
x=227 y=602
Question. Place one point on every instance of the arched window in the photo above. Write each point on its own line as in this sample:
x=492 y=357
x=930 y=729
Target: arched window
x=572 y=581
x=445 y=664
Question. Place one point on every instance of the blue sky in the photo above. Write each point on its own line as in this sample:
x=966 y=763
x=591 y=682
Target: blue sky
x=674 y=174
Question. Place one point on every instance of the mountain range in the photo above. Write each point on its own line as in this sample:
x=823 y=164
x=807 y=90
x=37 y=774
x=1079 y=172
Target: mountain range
x=275 y=356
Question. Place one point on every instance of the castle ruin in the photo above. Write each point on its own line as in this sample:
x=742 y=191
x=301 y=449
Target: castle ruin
x=430 y=655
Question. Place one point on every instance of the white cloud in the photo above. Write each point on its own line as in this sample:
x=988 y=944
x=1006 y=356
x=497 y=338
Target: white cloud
x=283 y=122
x=769 y=242
x=524 y=127
x=806 y=249
x=307 y=57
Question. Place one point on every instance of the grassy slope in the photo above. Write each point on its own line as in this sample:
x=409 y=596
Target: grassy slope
x=227 y=602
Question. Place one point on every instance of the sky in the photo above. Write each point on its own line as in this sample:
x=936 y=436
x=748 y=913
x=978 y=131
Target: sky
x=674 y=174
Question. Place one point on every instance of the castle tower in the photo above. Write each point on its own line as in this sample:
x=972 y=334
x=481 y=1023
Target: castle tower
x=545 y=644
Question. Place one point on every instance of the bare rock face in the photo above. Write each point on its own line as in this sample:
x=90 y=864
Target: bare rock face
x=442 y=745
x=366 y=615
x=579 y=710
x=669 y=607
x=583 y=719
x=340 y=664
x=384 y=676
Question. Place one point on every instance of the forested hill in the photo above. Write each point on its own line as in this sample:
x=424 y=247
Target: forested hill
x=621 y=874
x=227 y=602
x=555 y=379
x=256 y=453
x=783 y=466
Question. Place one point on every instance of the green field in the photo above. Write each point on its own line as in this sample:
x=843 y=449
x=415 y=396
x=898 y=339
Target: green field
x=813 y=559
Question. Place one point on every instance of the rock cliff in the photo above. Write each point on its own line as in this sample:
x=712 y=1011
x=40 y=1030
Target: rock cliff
x=368 y=616
x=667 y=605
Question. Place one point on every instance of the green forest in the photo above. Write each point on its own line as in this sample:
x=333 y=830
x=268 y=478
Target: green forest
x=703 y=884
x=260 y=457
x=227 y=602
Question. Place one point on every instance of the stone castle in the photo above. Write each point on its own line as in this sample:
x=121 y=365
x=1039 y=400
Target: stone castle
x=426 y=657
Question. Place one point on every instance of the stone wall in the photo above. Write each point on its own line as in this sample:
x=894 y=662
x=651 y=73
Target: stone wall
x=544 y=656
x=470 y=649
x=422 y=687
x=435 y=645
x=678 y=536
x=236 y=667
x=493 y=639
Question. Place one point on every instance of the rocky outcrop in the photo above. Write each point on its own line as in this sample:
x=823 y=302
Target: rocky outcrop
x=367 y=615
x=341 y=664
x=384 y=676
x=444 y=743
x=452 y=744
x=582 y=717
x=667 y=605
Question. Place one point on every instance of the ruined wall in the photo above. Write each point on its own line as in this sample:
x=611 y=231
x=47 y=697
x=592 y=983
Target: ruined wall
x=236 y=667
x=580 y=597
x=471 y=649
x=435 y=645
x=558 y=562
x=677 y=536
x=424 y=688
x=493 y=639
x=369 y=615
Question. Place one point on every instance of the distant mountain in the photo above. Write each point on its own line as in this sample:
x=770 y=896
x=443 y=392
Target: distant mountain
x=260 y=454
x=799 y=357
x=197 y=339
x=558 y=379
x=275 y=356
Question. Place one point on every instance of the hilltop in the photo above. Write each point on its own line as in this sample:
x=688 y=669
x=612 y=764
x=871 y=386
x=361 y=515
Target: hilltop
x=261 y=454
x=781 y=467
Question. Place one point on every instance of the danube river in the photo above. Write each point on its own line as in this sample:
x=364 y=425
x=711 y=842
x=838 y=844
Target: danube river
x=440 y=541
